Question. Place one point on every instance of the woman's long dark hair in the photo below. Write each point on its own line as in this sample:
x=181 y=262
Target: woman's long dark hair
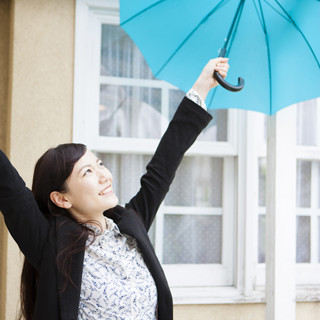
x=51 y=173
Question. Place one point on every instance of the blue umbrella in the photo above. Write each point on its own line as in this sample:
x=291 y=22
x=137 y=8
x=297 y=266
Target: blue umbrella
x=273 y=44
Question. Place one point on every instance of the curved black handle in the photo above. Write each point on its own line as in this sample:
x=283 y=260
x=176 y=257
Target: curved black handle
x=227 y=85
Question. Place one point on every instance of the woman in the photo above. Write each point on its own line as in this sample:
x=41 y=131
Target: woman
x=86 y=257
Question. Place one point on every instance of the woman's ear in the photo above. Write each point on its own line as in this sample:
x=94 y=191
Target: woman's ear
x=60 y=200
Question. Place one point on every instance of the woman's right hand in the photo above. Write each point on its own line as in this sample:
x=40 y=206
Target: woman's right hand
x=206 y=80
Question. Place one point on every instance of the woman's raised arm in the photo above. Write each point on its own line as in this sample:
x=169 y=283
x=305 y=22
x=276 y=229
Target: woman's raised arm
x=25 y=222
x=188 y=122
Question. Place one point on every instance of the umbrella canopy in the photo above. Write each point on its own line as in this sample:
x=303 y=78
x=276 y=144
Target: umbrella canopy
x=274 y=46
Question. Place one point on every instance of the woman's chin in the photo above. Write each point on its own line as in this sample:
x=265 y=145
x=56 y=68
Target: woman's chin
x=113 y=201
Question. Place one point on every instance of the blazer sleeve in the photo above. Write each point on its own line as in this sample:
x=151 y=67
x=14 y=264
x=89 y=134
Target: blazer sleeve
x=24 y=220
x=188 y=122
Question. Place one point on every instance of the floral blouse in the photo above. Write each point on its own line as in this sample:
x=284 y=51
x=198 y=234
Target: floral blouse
x=116 y=283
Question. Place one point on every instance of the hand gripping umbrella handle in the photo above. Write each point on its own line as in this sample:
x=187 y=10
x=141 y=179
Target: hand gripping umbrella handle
x=227 y=85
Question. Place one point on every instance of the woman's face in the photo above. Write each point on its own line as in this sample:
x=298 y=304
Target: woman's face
x=89 y=188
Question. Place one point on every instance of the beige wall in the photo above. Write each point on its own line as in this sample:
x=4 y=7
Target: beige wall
x=304 y=311
x=42 y=79
x=4 y=67
x=36 y=89
x=4 y=76
x=36 y=97
x=220 y=312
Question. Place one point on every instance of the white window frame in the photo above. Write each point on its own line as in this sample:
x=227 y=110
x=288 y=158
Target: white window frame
x=307 y=275
x=245 y=281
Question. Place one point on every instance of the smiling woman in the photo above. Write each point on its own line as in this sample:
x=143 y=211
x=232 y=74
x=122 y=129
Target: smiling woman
x=88 y=190
x=86 y=257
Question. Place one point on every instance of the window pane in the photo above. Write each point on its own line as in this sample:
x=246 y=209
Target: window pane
x=319 y=238
x=120 y=57
x=130 y=111
x=262 y=239
x=262 y=182
x=217 y=129
x=303 y=184
x=175 y=96
x=198 y=182
x=307 y=123
x=124 y=110
x=192 y=239
x=318 y=195
x=303 y=239
x=152 y=234
x=265 y=134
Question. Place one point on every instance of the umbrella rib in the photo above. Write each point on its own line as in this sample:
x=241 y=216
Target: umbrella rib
x=190 y=35
x=268 y=52
x=142 y=11
x=300 y=31
x=257 y=10
x=272 y=7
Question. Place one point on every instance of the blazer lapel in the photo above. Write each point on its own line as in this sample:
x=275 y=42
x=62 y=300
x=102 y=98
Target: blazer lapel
x=130 y=223
x=69 y=298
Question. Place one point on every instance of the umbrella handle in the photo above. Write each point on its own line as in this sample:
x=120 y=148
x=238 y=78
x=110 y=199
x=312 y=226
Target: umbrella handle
x=227 y=85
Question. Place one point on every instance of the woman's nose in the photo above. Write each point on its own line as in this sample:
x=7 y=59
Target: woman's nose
x=104 y=174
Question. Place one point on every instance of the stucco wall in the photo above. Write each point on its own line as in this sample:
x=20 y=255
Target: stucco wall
x=304 y=311
x=39 y=89
x=220 y=312
x=4 y=80
x=4 y=67
x=42 y=79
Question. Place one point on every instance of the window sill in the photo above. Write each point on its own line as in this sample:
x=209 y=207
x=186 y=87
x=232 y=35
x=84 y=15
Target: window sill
x=227 y=295
x=213 y=295
x=309 y=293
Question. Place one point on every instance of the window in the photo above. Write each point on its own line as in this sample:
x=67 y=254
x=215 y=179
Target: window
x=308 y=180
x=209 y=237
x=307 y=196
x=121 y=111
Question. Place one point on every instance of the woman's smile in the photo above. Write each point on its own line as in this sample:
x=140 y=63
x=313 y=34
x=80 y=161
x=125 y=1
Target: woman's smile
x=106 y=191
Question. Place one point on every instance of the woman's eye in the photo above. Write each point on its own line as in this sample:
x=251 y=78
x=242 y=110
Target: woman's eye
x=87 y=171
x=101 y=164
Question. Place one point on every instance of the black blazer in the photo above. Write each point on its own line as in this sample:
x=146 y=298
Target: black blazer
x=40 y=238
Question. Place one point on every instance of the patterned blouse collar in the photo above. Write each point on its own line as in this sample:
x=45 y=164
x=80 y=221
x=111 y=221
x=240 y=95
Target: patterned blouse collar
x=110 y=226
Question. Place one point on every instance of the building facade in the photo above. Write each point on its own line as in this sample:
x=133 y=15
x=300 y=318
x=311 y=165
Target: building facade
x=69 y=73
